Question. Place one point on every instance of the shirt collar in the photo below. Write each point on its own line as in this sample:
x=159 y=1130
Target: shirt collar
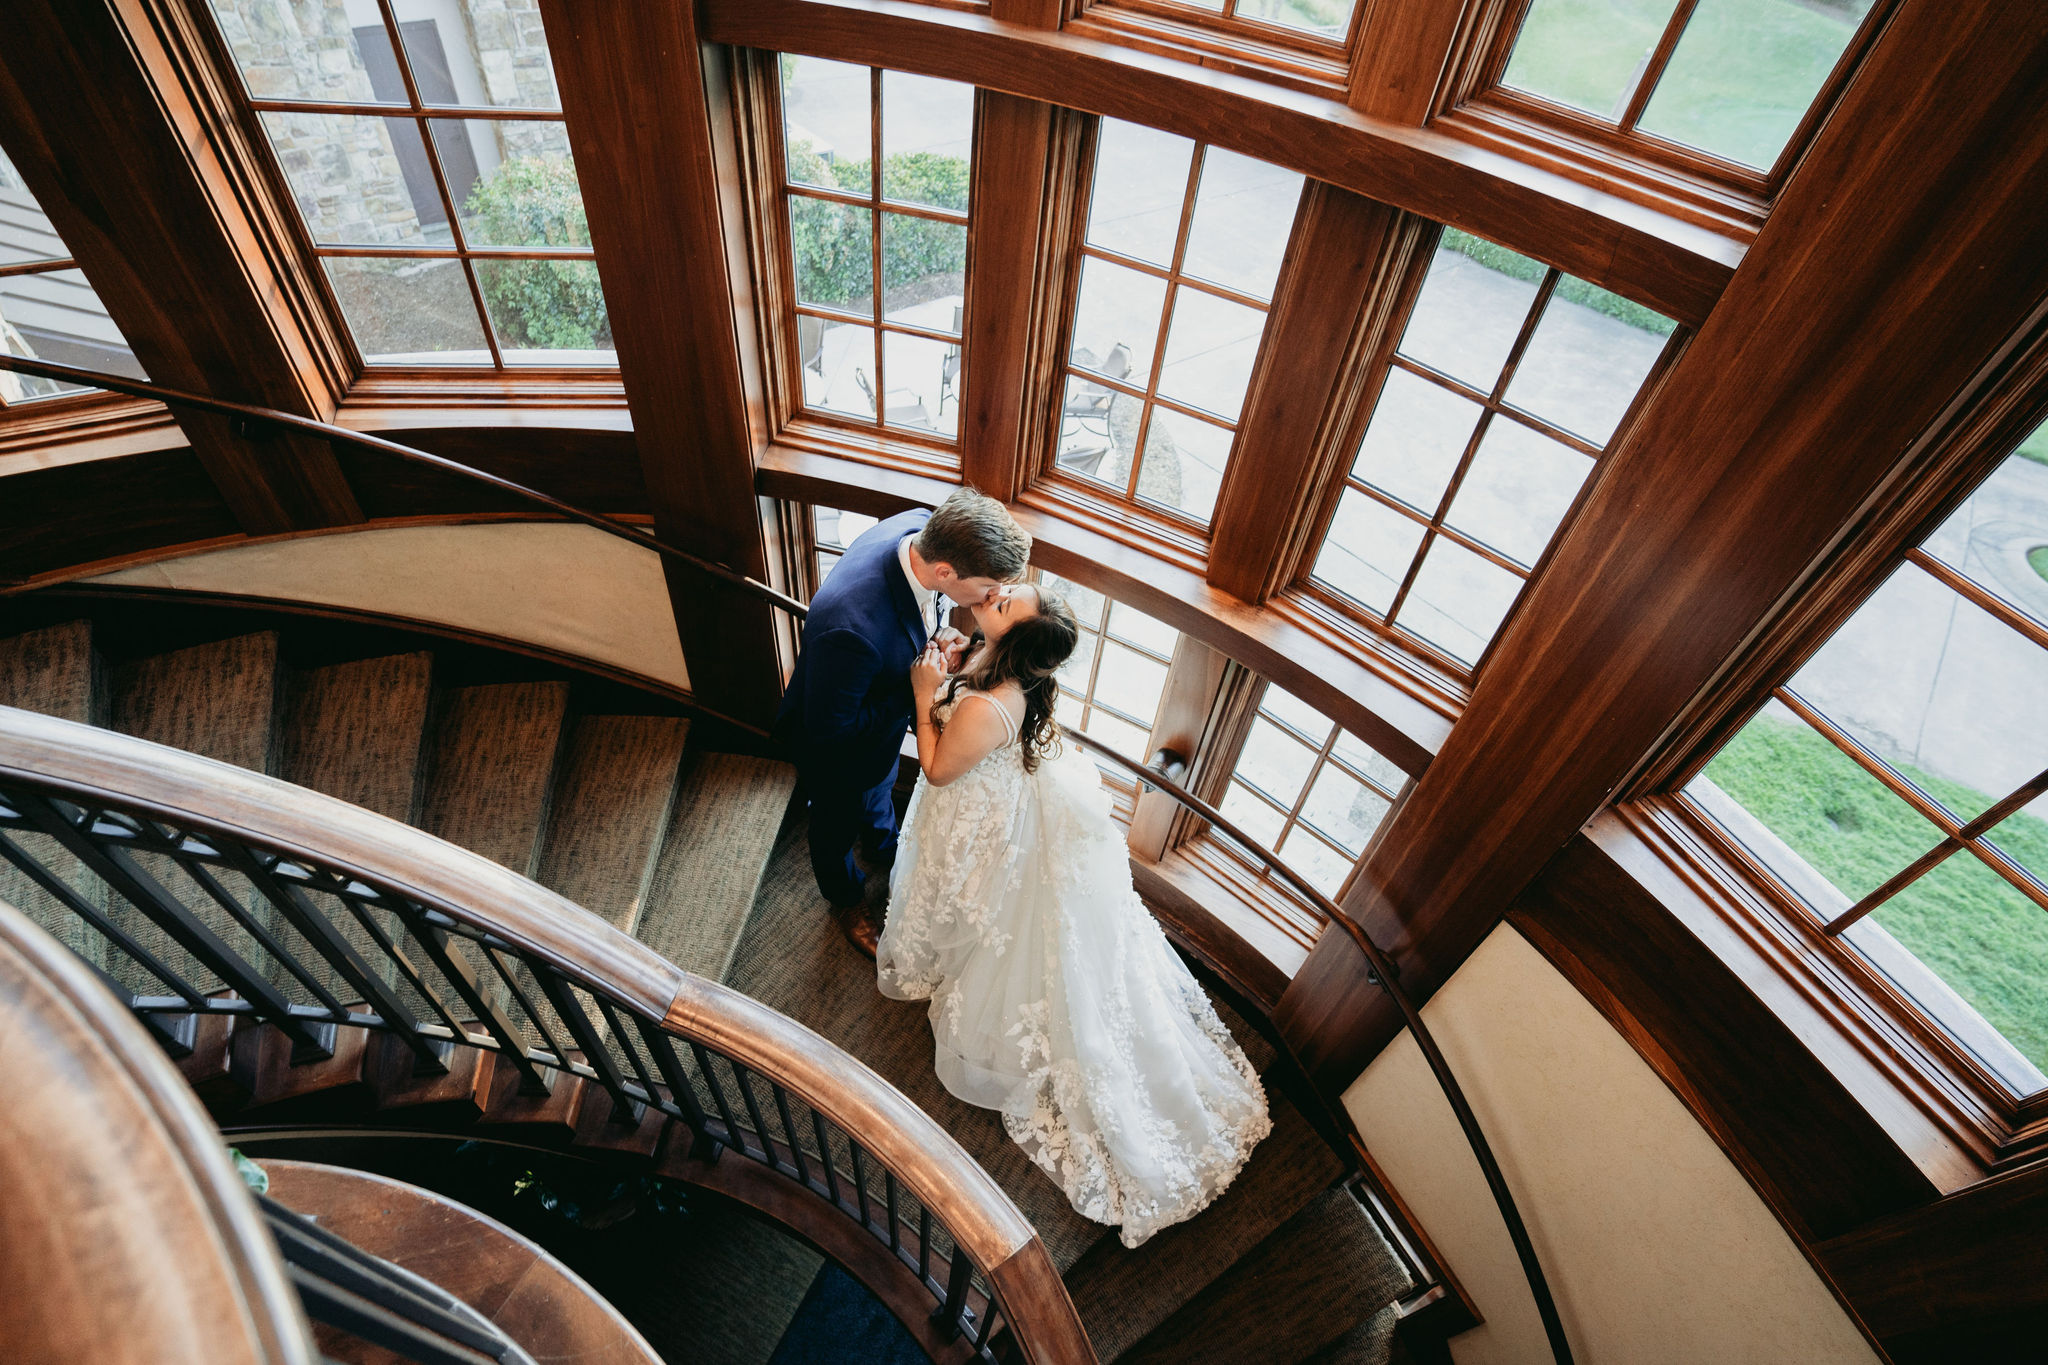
x=925 y=596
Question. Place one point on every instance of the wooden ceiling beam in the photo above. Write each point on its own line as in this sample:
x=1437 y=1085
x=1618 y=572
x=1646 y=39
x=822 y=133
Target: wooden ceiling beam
x=1903 y=253
x=651 y=131
x=1675 y=267
x=98 y=113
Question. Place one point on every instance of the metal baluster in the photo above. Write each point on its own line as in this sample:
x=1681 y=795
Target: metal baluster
x=796 y=1146
x=740 y=1077
x=924 y=1243
x=825 y=1152
x=62 y=892
x=310 y=1041
x=703 y=1146
x=461 y=974
x=413 y=974
x=331 y=944
x=860 y=1182
x=895 y=1221
x=525 y=1003
x=626 y=1110
x=733 y=1136
x=618 y=1031
x=987 y=1326
x=225 y=899
x=946 y=1317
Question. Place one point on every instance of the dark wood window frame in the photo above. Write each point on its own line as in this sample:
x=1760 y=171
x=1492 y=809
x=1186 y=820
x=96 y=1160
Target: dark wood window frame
x=1933 y=1070
x=1276 y=53
x=1689 y=183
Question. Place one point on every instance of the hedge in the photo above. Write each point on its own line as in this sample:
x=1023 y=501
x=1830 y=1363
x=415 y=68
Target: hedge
x=1569 y=287
x=834 y=264
x=545 y=305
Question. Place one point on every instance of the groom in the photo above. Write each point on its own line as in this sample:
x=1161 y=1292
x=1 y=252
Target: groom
x=848 y=706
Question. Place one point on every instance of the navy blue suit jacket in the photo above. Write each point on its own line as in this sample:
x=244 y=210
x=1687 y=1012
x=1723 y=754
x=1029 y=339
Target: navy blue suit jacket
x=848 y=705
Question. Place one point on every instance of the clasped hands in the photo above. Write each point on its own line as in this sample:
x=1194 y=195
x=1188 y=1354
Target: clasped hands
x=941 y=656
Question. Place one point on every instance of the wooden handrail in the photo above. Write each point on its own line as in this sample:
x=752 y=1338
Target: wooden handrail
x=249 y=413
x=85 y=764
x=1383 y=972
x=131 y=1235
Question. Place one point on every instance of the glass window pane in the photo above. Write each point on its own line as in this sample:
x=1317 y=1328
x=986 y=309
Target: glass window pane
x=55 y=315
x=1074 y=672
x=487 y=52
x=1519 y=487
x=837 y=379
x=1459 y=600
x=1471 y=308
x=1289 y=709
x=835 y=262
x=1129 y=624
x=921 y=375
x=827 y=123
x=1324 y=867
x=1586 y=54
x=1128 y=740
x=1367 y=760
x=1343 y=808
x=1116 y=321
x=1141 y=184
x=329 y=60
x=838 y=528
x=1088 y=604
x=1586 y=359
x=409 y=312
x=1986 y=941
x=1368 y=550
x=25 y=231
x=924 y=271
x=2023 y=837
x=1130 y=682
x=1330 y=18
x=1258 y=818
x=1938 y=688
x=547 y=312
x=360 y=180
x=1998 y=538
x=1418 y=434
x=1827 y=810
x=1094 y=419
x=927 y=130
x=1274 y=761
x=517 y=182
x=1744 y=72
x=1244 y=214
x=1184 y=460
x=1210 y=347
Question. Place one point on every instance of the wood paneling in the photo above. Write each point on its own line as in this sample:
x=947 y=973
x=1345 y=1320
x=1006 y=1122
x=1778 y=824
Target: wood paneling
x=596 y=470
x=1677 y=268
x=1900 y=254
x=131 y=504
x=115 y=131
x=664 y=222
x=1399 y=57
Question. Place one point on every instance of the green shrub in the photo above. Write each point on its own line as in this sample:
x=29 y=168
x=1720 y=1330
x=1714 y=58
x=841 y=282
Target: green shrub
x=545 y=305
x=834 y=261
x=1569 y=288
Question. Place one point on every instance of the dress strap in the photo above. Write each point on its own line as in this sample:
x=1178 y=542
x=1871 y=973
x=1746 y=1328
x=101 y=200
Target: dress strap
x=1009 y=722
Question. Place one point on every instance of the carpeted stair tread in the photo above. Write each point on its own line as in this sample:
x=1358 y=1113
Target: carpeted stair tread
x=1310 y=1283
x=490 y=768
x=353 y=730
x=1369 y=1343
x=52 y=671
x=1123 y=1295
x=612 y=806
x=217 y=699
x=794 y=959
x=721 y=836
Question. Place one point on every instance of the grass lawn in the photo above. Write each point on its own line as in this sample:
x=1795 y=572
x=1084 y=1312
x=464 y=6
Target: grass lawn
x=1975 y=930
x=1738 y=83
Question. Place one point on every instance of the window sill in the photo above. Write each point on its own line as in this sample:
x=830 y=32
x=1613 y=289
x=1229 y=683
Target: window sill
x=1317 y=68
x=49 y=432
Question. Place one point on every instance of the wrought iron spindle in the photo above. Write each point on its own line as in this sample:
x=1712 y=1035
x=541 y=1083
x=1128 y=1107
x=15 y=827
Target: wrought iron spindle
x=825 y=1154
x=65 y=895
x=704 y=1147
x=796 y=1146
x=959 y=1275
x=742 y=1078
x=626 y=1109
x=734 y=1136
x=459 y=973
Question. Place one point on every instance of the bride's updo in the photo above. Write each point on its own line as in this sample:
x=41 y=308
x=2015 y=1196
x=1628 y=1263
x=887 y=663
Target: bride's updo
x=1028 y=654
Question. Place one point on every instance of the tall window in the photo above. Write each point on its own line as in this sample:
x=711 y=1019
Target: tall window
x=1730 y=78
x=1182 y=249
x=47 y=310
x=1110 y=688
x=887 y=357
x=1507 y=385
x=422 y=141
x=832 y=530
x=1898 y=784
x=1309 y=790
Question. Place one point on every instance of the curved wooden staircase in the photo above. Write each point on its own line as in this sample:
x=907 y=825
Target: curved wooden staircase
x=629 y=813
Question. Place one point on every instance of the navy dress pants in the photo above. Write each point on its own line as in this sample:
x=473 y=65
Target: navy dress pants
x=841 y=819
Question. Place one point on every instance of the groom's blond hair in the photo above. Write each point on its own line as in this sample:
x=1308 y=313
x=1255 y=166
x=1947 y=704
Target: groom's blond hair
x=977 y=536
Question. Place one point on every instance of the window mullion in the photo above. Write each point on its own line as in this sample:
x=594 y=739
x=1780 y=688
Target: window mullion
x=1653 y=69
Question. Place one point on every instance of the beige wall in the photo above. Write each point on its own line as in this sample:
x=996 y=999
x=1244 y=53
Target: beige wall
x=569 y=588
x=1656 y=1247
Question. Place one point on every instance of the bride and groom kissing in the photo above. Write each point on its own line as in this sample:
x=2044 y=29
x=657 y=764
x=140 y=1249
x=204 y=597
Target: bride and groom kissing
x=1054 y=996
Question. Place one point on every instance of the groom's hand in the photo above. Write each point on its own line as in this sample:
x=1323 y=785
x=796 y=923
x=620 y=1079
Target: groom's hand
x=953 y=646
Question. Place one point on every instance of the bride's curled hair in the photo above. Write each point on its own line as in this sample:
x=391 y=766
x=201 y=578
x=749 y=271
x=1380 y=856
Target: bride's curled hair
x=1028 y=654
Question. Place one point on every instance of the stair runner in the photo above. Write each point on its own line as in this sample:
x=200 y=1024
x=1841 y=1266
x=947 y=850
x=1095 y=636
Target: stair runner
x=690 y=851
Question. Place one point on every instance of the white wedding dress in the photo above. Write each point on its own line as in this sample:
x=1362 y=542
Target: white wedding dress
x=1055 y=997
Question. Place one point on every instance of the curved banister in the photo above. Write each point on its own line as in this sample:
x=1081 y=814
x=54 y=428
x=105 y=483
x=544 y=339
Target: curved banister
x=1383 y=969
x=96 y=768
x=129 y=1234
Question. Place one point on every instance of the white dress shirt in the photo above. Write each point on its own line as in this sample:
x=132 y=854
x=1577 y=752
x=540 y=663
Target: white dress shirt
x=926 y=597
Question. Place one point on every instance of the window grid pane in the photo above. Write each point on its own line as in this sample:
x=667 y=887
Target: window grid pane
x=1176 y=272
x=887 y=357
x=1109 y=689
x=1478 y=444
x=448 y=240
x=47 y=309
x=1895 y=784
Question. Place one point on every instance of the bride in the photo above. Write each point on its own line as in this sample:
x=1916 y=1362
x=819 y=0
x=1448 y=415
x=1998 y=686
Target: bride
x=1054 y=996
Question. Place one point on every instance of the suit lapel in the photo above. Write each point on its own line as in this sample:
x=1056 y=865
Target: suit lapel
x=906 y=603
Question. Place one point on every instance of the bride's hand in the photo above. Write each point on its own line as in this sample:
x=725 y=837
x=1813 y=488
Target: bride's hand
x=925 y=673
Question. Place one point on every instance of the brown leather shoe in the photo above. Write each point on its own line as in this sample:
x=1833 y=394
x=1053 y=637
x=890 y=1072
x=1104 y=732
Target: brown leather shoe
x=858 y=924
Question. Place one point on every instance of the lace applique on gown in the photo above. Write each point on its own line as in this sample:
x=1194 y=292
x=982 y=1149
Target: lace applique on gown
x=1055 y=997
